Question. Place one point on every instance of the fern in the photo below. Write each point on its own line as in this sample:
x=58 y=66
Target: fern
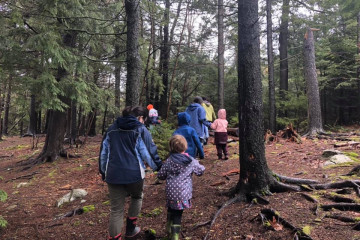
x=3 y=196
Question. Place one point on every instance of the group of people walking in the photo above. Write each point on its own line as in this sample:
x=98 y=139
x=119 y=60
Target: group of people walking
x=127 y=148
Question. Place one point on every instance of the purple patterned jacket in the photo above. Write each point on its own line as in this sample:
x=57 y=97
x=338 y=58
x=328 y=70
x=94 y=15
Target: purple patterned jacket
x=177 y=170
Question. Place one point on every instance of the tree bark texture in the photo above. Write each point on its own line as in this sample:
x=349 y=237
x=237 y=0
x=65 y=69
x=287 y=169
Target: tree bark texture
x=272 y=106
x=165 y=58
x=358 y=63
x=283 y=47
x=221 y=50
x=133 y=59
x=314 y=108
x=117 y=74
x=56 y=120
x=7 y=108
x=31 y=131
x=73 y=129
x=254 y=173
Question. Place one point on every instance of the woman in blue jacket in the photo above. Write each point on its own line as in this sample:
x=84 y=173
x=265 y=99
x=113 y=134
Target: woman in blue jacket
x=127 y=145
x=189 y=133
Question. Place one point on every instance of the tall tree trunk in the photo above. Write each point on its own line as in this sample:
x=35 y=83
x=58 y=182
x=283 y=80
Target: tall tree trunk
x=117 y=74
x=178 y=52
x=39 y=125
x=221 y=50
x=56 y=127
x=314 y=109
x=1 y=110
x=73 y=129
x=254 y=172
x=165 y=58
x=7 y=108
x=272 y=106
x=358 y=64
x=31 y=131
x=151 y=94
x=133 y=60
x=92 y=123
x=283 y=48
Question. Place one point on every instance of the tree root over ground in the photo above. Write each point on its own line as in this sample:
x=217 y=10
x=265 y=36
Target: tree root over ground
x=43 y=158
x=270 y=214
x=281 y=183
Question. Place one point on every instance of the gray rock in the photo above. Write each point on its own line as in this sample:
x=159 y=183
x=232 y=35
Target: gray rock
x=71 y=196
x=330 y=152
x=338 y=159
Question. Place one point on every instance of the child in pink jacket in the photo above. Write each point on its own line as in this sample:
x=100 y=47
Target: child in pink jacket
x=221 y=136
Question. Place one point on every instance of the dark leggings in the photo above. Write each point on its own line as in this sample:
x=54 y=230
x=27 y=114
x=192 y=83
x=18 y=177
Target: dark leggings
x=175 y=216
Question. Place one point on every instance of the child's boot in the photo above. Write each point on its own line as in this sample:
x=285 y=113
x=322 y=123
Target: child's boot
x=175 y=231
x=226 y=157
x=219 y=156
x=117 y=237
x=131 y=229
x=168 y=224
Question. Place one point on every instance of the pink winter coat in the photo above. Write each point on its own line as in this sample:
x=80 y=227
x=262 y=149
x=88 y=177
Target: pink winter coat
x=220 y=124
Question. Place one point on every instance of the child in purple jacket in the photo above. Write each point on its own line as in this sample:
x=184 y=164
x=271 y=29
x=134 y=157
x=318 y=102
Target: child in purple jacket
x=177 y=170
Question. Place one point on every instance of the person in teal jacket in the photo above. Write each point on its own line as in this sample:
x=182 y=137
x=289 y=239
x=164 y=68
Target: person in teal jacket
x=189 y=133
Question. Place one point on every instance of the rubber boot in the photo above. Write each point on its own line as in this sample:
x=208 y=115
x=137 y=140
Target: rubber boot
x=168 y=225
x=175 y=231
x=118 y=237
x=131 y=229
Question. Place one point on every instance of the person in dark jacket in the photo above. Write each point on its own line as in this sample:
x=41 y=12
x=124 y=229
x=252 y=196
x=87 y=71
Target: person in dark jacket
x=126 y=146
x=178 y=170
x=189 y=133
x=198 y=118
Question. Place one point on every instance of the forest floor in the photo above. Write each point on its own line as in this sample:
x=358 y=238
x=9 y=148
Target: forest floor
x=32 y=194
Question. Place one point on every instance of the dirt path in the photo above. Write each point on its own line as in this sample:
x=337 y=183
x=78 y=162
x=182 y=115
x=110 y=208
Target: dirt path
x=31 y=212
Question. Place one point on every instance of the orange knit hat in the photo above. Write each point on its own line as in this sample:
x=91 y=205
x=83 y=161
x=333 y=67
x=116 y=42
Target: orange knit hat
x=150 y=106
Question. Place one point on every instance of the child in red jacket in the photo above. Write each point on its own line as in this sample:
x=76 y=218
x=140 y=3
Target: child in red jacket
x=221 y=136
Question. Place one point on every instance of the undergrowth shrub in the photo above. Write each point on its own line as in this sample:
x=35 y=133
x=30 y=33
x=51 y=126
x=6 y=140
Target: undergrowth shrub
x=3 y=197
x=161 y=135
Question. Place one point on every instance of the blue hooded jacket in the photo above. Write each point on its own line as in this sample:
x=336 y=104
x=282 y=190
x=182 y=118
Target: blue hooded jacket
x=189 y=134
x=126 y=145
x=198 y=118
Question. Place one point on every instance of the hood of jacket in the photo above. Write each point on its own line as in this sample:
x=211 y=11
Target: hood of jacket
x=207 y=103
x=128 y=123
x=179 y=161
x=183 y=119
x=192 y=107
x=222 y=114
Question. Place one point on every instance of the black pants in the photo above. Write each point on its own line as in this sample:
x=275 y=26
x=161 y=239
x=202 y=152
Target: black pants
x=175 y=216
x=220 y=149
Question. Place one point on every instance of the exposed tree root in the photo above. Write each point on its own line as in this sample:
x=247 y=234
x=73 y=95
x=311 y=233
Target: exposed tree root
x=344 y=191
x=341 y=218
x=336 y=185
x=342 y=206
x=282 y=187
x=354 y=171
x=297 y=181
x=270 y=214
x=309 y=198
x=27 y=176
x=339 y=199
x=226 y=204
